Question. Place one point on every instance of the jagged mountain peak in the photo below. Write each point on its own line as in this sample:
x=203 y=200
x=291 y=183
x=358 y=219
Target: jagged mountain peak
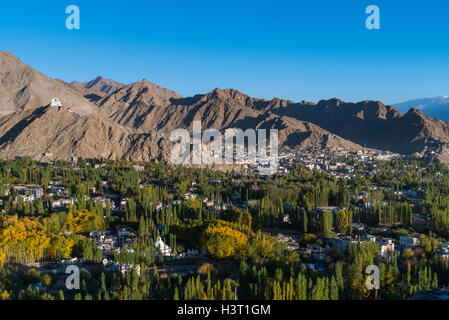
x=99 y=84
x=227 y=94
x=416 y=111
x=416 y=115
x=147 y=92
x=334 y=102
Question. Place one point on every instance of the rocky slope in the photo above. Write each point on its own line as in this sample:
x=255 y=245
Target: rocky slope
x=141 y=105
x=23 y=87
x=62 y=135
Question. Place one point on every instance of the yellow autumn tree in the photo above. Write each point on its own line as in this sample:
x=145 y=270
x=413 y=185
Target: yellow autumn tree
x=84 y=222
x=60 y=247
x=5 y=295
x=2 y=257
x=24 y=240
x=222 y=241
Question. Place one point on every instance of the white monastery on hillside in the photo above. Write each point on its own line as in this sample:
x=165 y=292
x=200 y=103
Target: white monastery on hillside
x=55 y=102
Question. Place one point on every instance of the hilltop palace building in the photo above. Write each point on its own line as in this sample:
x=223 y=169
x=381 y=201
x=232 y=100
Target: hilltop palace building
x=55 y=102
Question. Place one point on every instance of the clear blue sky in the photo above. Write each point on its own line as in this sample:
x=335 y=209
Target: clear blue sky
x=298 y=50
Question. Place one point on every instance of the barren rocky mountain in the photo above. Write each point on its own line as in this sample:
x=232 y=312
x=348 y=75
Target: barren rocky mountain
x=97 y=88
x=293 y=132
x=46 y=133
x=140 y=105
x=375 y=125
x=145 y=106
x=329 y=123
x=135 y=121
x=99 y=84
x=23 y=87
x=416 y=133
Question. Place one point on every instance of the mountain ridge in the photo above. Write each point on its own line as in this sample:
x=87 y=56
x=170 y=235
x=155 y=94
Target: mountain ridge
x=437 y=107
x=99 y=84
x=134 y=121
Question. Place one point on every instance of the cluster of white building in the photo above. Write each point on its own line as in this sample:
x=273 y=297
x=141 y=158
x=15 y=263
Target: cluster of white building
x=385 y=244
x=165 y=249
x=27 y=192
